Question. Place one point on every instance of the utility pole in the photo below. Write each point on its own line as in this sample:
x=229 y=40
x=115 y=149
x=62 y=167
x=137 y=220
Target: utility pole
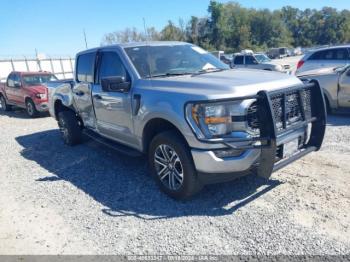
x=86 y=45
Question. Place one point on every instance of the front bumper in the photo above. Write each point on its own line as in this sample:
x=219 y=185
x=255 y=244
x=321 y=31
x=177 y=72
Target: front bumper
x=275 y=130
x=42 y=107
x=208 y=162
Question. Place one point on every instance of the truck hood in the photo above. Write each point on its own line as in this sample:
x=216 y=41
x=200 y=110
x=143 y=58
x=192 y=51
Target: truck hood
x=225 y=84
x=37 y=89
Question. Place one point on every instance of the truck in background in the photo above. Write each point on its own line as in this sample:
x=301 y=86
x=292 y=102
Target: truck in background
x=26 y=90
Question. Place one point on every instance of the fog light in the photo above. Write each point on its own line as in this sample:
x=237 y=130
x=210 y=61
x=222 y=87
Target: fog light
x=228 y=153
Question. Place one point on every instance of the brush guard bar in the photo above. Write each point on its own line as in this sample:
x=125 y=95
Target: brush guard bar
x=274 y=108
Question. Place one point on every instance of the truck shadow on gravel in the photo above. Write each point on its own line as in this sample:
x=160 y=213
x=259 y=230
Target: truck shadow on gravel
x=338 y=120
x=124 y=187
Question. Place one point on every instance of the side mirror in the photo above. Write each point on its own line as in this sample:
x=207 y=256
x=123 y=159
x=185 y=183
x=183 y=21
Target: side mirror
x=115 y=84
x=17 y=85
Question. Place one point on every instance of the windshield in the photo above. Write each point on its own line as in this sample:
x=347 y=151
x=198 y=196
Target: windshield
x=172 y=60
x=262 y=58
x=32 y=80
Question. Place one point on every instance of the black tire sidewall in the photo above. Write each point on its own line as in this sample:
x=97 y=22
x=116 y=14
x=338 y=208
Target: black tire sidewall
x=5 y=107
x=71 y=123
x=35 y=112
x=190 y=184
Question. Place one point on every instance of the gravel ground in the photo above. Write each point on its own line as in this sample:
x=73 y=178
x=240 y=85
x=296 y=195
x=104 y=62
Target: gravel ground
x=89 y=200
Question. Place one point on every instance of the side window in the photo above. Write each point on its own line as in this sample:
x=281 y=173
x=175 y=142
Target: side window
x=111 y=65
x=10 y=80
x=340 y=54
x=238 y=60
x=331 y=54
x=85 y=68
x=250 y=60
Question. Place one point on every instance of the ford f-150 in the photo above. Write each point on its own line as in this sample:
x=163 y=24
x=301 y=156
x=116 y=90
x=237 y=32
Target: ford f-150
x=198 y=121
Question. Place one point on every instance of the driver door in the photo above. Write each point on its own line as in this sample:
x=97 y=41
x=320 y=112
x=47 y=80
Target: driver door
x=113 y=107
x=251 y=62
x=344 y=89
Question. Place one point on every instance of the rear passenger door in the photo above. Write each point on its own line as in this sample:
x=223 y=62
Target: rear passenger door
x=13 y=89
x=238 y=61
x=10 y=88
x=85 y=67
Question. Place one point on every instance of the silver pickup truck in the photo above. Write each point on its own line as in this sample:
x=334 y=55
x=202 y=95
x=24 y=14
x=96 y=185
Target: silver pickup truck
x=198 y=121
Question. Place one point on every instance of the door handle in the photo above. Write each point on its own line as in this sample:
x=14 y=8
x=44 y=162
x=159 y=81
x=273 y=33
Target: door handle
x=98 y=97
x=79 y=93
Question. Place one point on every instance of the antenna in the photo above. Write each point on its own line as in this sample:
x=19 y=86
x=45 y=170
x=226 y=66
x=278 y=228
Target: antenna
x=86 y=45
x=148 y=48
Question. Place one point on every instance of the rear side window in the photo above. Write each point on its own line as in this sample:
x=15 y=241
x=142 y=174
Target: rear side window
x=331 y=54
x=85 y=67
x=238 y=60
x=11 y=80
x=111 y=65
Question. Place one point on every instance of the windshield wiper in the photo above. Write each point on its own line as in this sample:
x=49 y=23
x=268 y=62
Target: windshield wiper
x=170 y=74
x=208 y=70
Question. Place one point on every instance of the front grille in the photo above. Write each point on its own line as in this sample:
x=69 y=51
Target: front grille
x=287 y=108
x=252 y=116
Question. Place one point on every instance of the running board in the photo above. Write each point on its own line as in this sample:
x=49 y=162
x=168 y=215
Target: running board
x=112 y=144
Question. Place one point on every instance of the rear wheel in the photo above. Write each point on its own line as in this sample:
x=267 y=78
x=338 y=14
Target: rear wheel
x=3 y=105
x=172 y=166
x=31 y=109
x=69 y=128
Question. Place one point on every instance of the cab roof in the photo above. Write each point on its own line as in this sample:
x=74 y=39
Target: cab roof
x=135 y=44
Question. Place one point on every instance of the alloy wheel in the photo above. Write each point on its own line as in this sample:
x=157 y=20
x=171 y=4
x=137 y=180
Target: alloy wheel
x=168 y=167
x=30 y=109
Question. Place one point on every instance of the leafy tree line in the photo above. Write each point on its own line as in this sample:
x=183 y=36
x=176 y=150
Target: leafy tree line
x=231 y=27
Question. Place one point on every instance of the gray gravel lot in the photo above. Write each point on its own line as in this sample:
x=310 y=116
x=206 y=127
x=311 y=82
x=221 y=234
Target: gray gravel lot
x=89 y=200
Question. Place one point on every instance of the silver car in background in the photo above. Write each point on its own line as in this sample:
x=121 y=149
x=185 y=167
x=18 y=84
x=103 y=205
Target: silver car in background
x=258 y=61
x=329 y=57
x=335 y=83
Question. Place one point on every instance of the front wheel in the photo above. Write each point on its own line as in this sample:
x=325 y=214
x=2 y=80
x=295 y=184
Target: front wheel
x=31 y=109
x=69 y=128
x=172 y=166
x=3 y=104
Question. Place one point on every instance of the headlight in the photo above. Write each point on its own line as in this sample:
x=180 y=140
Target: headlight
x=217 y=120
x=279 y=68
x=41 y=96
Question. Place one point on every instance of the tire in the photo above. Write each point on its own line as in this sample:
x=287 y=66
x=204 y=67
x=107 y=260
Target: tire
x=328 y=106
x=170 y=142
x=3 y=104
x=31 y=109
x=69 y=128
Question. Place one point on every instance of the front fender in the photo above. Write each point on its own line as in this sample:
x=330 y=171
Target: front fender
x=62 y=93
